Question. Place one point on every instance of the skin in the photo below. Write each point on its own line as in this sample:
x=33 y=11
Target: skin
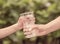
x=43 y=29
x=13 y=28
x=17 y=26
x=36 y=29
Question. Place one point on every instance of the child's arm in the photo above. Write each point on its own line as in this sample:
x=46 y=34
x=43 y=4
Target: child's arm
x=8 y=30
x=11 y=29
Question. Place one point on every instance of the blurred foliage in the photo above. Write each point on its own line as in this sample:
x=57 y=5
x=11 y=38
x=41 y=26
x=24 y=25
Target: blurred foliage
x=44 y=10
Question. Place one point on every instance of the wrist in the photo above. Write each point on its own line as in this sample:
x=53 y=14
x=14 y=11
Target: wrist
x=19 y=27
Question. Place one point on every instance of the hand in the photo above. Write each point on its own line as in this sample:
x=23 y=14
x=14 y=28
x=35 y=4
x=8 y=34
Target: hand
x=20 y=22
x=23 y=19
x=37 y=30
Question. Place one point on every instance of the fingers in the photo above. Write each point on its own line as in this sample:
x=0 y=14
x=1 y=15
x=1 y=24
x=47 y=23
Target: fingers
x=22 y=19
x=27 y=33
x=26 y=30
x=30 y=35
x=35 y=33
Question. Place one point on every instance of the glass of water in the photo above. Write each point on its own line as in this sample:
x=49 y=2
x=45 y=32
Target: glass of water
x=30 y=20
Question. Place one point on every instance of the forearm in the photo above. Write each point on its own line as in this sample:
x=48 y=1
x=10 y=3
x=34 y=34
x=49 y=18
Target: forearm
x=53 y=25
x=9 y=30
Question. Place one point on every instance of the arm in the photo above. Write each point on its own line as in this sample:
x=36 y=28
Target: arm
x=8 y=30
x=53 y=25
x=11 y=29
x=40 y=30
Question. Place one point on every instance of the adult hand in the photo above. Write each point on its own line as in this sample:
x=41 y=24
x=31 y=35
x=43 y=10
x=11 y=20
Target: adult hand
x=37 y=30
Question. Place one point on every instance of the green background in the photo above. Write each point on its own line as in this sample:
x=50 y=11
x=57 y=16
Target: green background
x=44 y=10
